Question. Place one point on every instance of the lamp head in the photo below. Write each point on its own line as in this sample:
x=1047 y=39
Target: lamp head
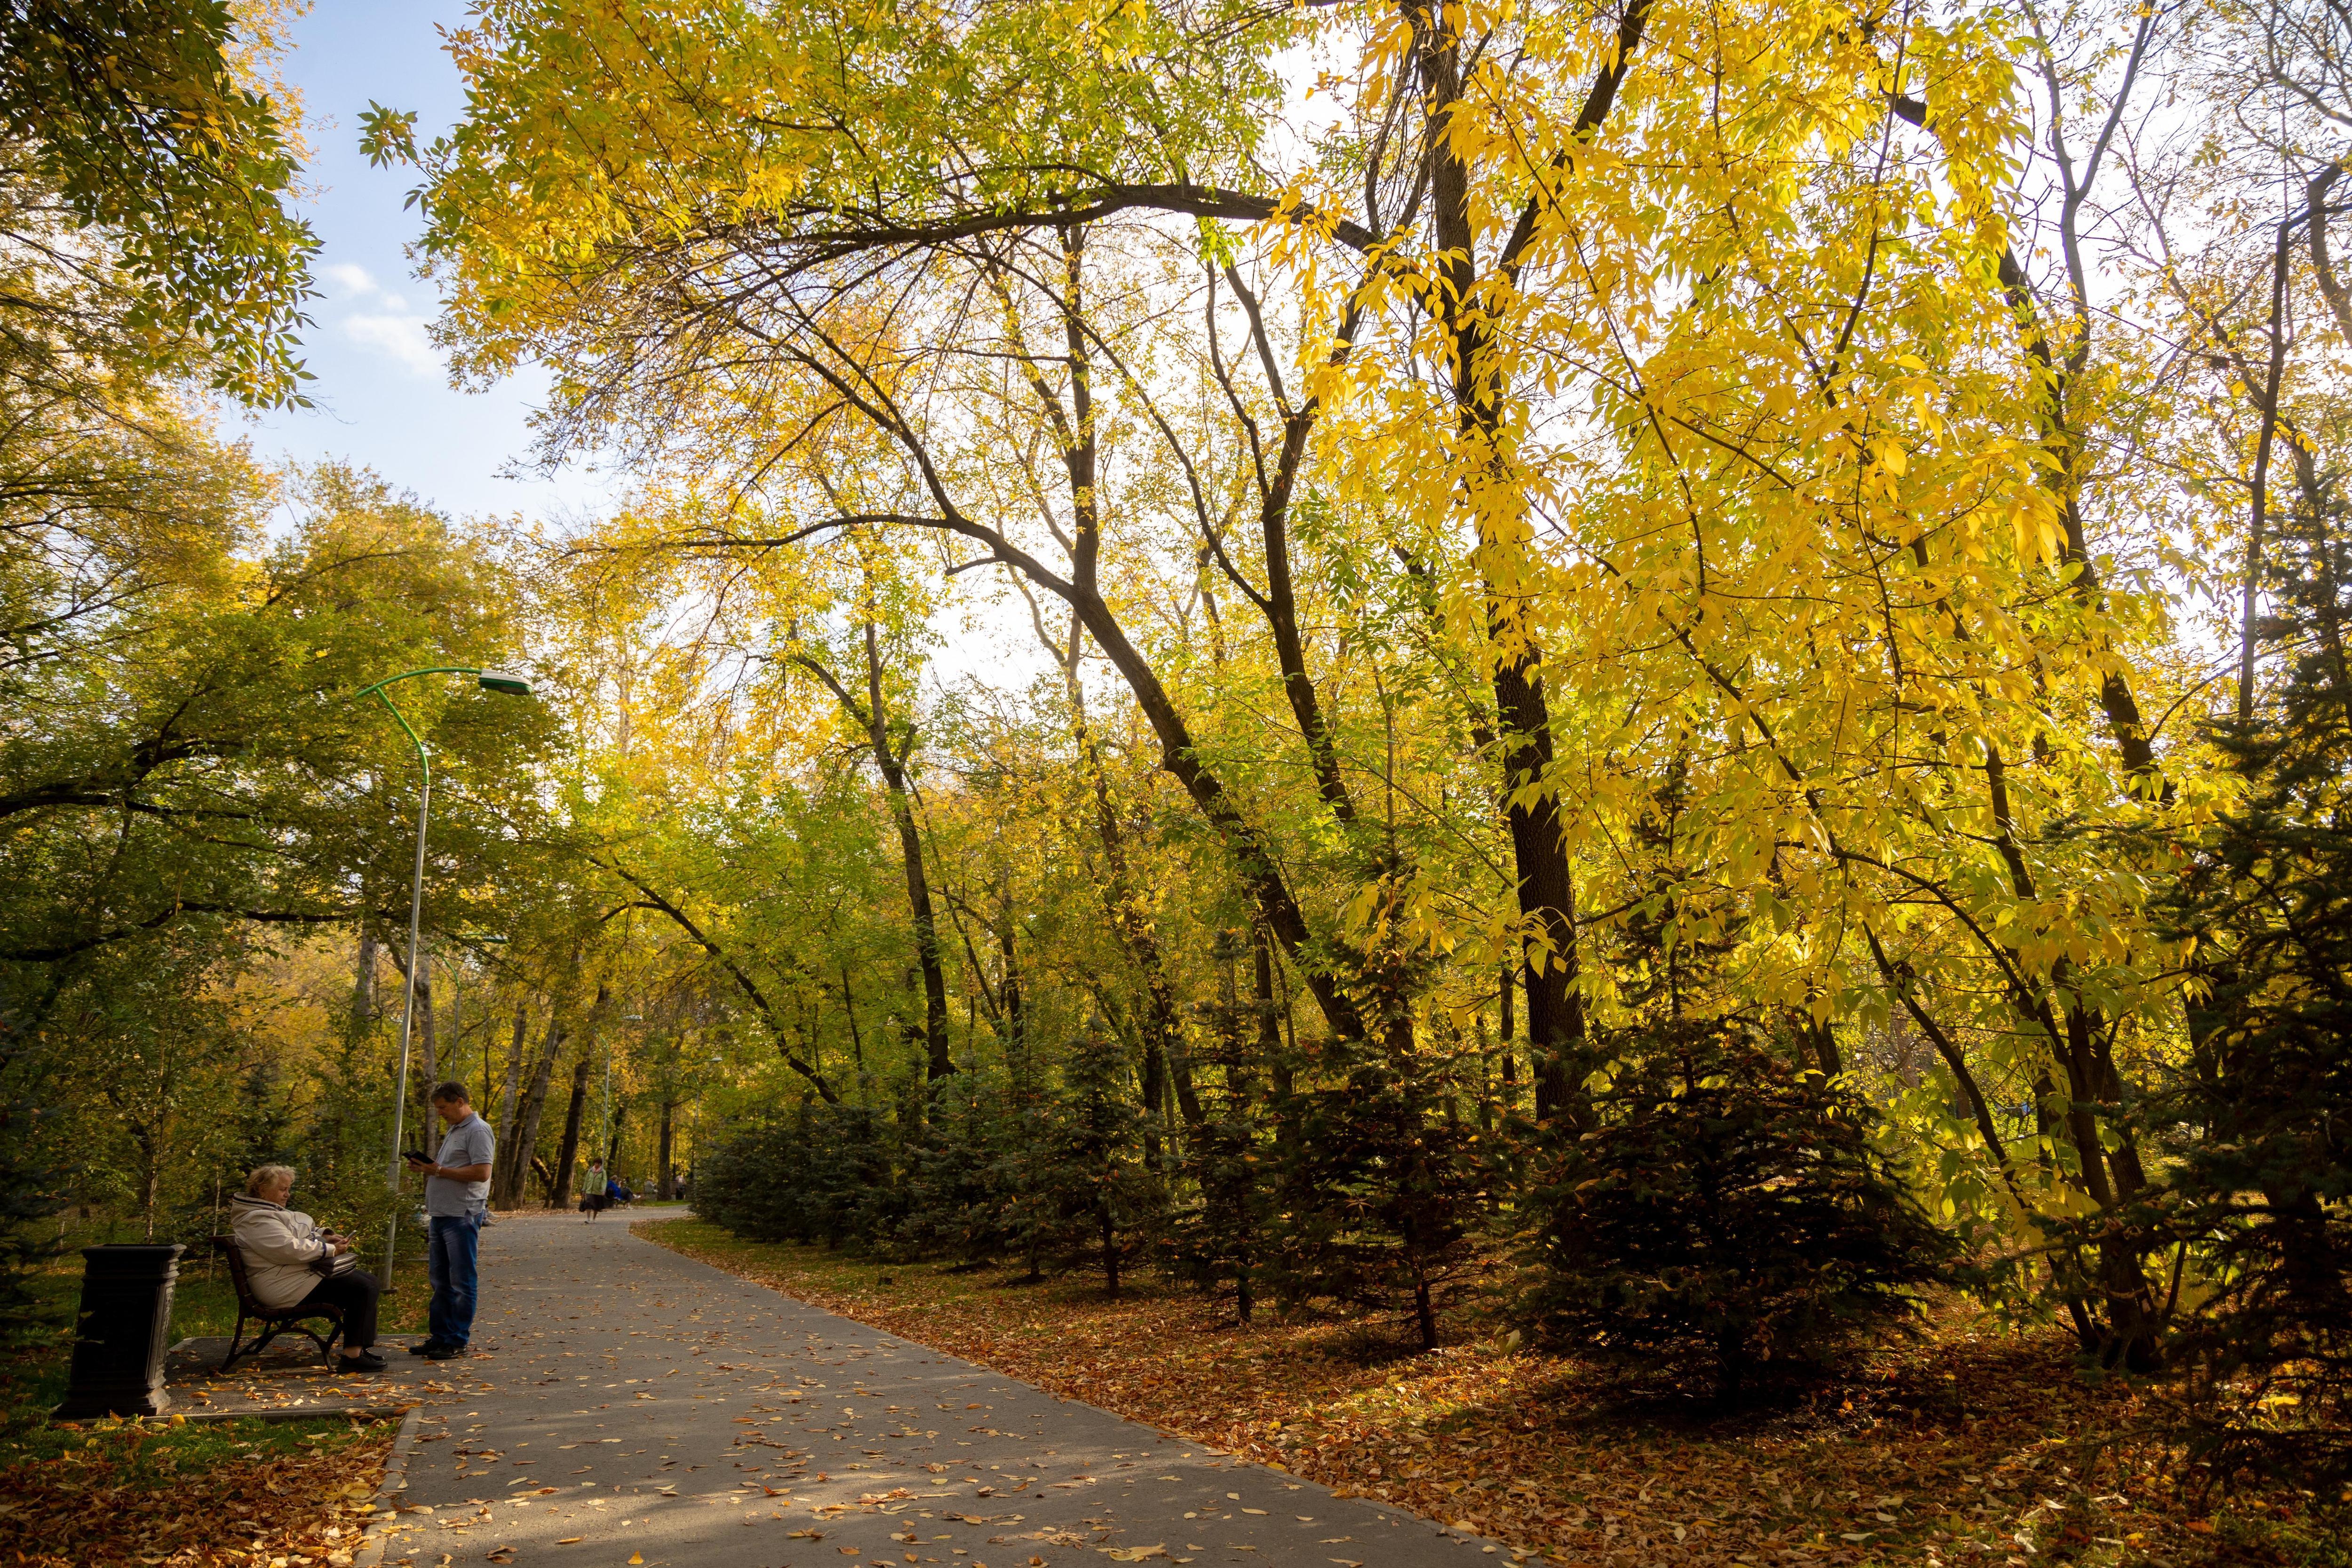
x=511 y=683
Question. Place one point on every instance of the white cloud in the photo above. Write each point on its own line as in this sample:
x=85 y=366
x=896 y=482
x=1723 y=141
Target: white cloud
x=402 y=338
x=350 y=280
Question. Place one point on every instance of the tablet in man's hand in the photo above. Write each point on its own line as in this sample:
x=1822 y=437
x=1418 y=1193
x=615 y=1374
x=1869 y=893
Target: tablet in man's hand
x=417 y=1157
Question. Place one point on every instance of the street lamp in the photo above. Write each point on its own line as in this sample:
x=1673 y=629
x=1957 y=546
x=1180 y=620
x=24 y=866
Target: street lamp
x=500 y=681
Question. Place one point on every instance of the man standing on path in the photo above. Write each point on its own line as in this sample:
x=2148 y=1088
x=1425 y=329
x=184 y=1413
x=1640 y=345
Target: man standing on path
x=457 y=1197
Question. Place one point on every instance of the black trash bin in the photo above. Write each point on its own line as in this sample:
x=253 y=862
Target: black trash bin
x=122 y=1331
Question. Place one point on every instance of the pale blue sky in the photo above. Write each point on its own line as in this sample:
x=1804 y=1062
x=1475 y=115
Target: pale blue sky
x=383 y=395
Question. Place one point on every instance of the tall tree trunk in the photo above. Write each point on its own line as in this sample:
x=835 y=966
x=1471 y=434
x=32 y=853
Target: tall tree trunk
x=1269 y=1011
x=1015 y=999
x=513 y=1074
x=1124 y=903
x=518 y=1146
x=667 y=1188
x=363 y=981
x=1187 y=1095
x=890 y=753
x=2081 y=1042
x=560 y=1182
x=1556 y=1023
x=526 y=1146
x=516 y=1154
x=937 y=1062
x=428 y=1043
x=1153 y=1085
x=151 y=1176
x=1180 y=755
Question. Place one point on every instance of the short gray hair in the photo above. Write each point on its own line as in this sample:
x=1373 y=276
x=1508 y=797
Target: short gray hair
x=264 y=1177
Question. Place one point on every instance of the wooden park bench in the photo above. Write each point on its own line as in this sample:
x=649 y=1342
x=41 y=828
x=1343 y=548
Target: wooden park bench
x=271 y=1320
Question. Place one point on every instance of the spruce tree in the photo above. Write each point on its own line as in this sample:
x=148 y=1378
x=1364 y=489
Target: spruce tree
x=1220 y=1240
x=1727 y=1205
x=1087 y=1190
x=2258 y=1120
x=1383 y=1186
x=1721 y=1197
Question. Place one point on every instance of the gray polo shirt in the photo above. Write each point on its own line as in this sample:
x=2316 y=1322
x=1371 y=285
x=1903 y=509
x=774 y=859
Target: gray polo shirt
x=469 y=1143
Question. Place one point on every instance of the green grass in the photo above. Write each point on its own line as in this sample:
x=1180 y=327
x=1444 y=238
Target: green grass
x=203 y=1300
x=152 y=1455
x=204 y=1303
x=152 y=1452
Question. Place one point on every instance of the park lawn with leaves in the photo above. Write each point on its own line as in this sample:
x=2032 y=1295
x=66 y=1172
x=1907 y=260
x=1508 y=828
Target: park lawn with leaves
x=233 y=1492
x=1968 y=1446
x=202 y=1493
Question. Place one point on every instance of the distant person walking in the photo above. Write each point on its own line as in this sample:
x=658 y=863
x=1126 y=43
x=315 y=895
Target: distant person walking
x=456 y=1199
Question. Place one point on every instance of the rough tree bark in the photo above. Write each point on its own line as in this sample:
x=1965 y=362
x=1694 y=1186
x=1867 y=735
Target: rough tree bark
x=890 y=756
x=667 y=1188
x=1556 y=1024
x=513 y=1074
x=559 y=1182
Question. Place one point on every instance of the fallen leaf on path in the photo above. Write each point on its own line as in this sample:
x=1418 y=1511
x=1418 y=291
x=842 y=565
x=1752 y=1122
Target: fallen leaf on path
x=1132 y=1553
x=1530 y=1451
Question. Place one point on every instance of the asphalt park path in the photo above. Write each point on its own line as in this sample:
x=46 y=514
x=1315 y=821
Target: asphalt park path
x=626 y=1405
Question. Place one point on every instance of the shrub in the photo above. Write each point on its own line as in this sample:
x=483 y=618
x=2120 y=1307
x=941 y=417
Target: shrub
x=2256 y=1203
x=823 y=1175
x=1081 y=1186
x=1724 y=1204
x=1382 y=1190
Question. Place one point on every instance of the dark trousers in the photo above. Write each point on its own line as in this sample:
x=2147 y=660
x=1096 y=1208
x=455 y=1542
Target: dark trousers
x=355 y=1293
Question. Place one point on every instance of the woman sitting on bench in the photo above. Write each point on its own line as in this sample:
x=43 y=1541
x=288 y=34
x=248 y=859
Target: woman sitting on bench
x=290 y=1262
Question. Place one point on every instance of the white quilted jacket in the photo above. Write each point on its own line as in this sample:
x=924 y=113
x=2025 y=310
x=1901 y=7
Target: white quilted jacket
x=282 y=1249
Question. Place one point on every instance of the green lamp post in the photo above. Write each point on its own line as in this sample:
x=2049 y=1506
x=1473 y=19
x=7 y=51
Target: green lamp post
x=500 y=681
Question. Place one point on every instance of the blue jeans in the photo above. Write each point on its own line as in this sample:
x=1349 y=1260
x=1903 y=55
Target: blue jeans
x=449 y=1264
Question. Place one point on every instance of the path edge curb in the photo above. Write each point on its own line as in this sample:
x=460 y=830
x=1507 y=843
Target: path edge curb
x=387 y=1492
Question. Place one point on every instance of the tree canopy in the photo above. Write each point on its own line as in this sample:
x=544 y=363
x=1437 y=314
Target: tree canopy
x=1305 y=641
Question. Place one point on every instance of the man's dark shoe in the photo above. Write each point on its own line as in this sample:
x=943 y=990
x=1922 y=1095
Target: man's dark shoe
x=444 y=1353
x=366 y=1361
x=424 y=1347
